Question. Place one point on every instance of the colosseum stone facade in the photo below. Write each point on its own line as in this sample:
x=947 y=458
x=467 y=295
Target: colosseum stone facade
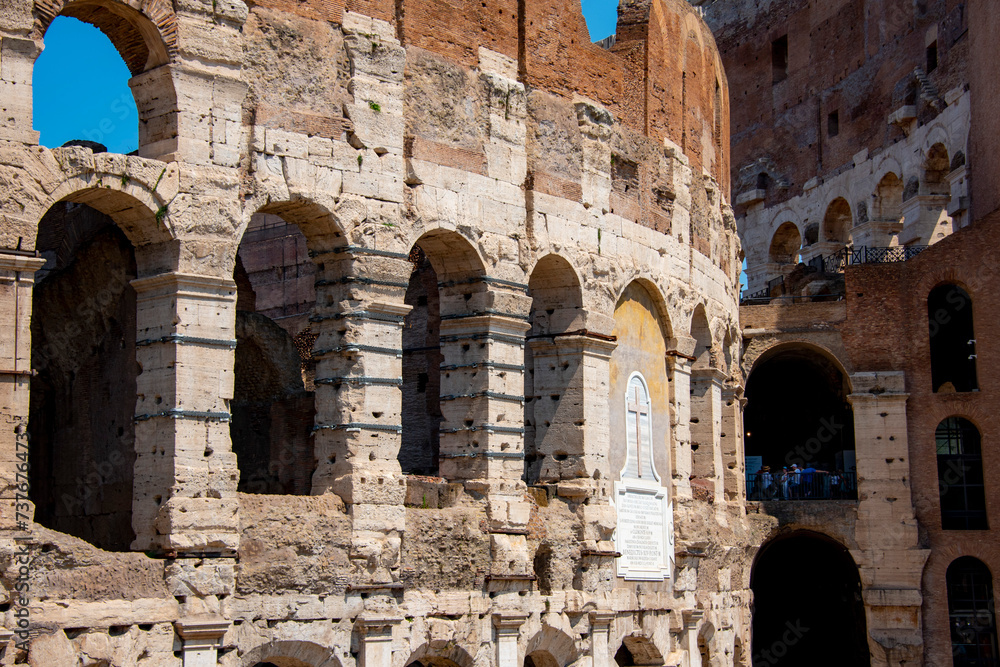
x=408 y=337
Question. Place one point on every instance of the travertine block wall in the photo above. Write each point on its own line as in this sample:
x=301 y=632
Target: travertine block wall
x=375 y=136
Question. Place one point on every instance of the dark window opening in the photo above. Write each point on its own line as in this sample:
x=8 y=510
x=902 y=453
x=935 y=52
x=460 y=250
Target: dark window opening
x=960 y=475
x=779 y=59
x=825 y=626
x=763 y=180
x=833 y=124
x=932 y=57
x=952 y=340
x=971 y=614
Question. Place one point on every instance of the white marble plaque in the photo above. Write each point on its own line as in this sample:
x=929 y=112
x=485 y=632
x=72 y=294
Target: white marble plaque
x=644 y=536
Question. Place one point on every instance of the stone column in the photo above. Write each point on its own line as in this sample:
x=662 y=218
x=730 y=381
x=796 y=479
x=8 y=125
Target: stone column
x=731 y=435
x=922 y=218
x=375 y=634
x=508 y=629
x=184 y=497
x=200 y=636
x=17 y=278
x=706 y=429
x=889 y=556
x=359 y=318
x=600 y=631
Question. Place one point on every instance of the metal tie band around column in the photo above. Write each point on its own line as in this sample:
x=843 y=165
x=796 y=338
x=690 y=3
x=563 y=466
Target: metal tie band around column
x=485 y=364
x=486 y=280
x=483 y=313
x=363 y=281
x=398 y=352
x=360 y=315
x=486 y=394
x=185 y=414
x=500 y=338
x=489 y=428
x=362 y=381
x=228 y=344
x=359 y=426
x=488 y=455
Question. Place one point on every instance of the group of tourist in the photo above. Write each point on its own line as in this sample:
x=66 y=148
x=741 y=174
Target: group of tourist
x=795 y=483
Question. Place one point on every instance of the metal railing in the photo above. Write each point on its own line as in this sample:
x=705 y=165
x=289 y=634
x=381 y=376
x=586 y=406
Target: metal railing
x=815 y=485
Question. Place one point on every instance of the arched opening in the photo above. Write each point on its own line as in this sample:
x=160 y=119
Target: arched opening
x=799 y=428
x=273 y=407
x=807 y=606
x=636 y=651
x=785 y=244
x=837 y=222
x=104 y=110
x=290 y=653
x=445 y=363
x=552 y=431
x=960 y=475
x=889 y=199
x=703 y=346
x=144 y=47
x=540 y=658
x=81 y=421
x=936 y=168
x=420 y=449
x=952 y=339
x=971 y=613
x=811 y=235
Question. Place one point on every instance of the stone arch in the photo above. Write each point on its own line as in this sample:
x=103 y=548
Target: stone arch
x=551 y=647
x=135 y=205
x=704 y=345
x=833 y=612
x=554 y=285
x=447 y=654
x=889 y=198
x=145 y=33
x=837 y=222
x=785 y=244
x=323 y=229
x=936 y=167
x=659 y=302
x=291 y=653
x=780 y=346
x=638 y=650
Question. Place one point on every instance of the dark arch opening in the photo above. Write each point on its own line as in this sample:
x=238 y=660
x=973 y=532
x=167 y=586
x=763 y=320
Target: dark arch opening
x=952 y=339
x=838 y=221
x=82 y=407
x=797 y=414
x=971 y=613
x=807 y=606
x=936 y=168
x=960 y=475
x=785 y=244
x=420 y=446
x=273 y=407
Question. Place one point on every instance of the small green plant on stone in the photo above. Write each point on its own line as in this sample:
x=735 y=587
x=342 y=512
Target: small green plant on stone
x=425 y=505
x=161 y=213
x=375 y=106
x=361 y=158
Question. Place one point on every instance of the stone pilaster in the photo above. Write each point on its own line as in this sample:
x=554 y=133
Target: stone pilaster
x=508 y=630
x=706 y=429
x=692 y=617
x=922 y=216
x=200 y=636
x=18 y=53
x=17 y=278
x=889 y=556
x=185 y=471
x=359 y=318
x=731 y=436
x=600 y=632
x=375 y=635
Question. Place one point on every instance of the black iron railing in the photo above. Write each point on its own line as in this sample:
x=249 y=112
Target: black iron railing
x=816 y=485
